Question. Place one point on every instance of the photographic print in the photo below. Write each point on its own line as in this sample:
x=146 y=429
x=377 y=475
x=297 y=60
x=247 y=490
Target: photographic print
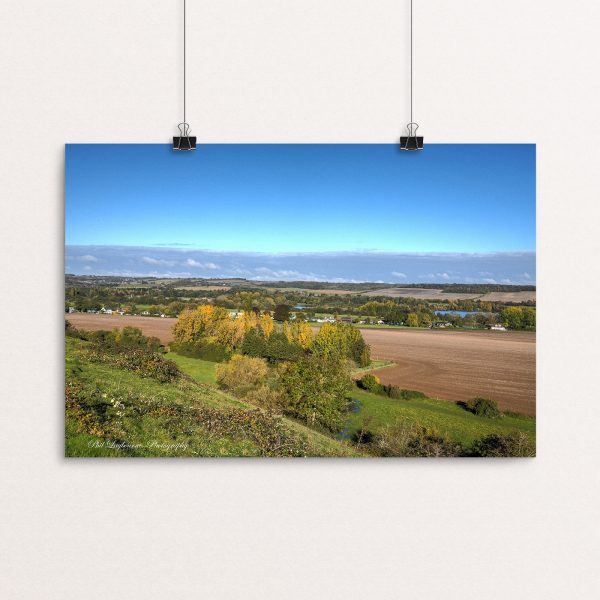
x=300 y=300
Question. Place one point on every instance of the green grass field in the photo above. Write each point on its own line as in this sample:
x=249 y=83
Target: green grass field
x=462 y=426
x=202 y=371
x=114 y=412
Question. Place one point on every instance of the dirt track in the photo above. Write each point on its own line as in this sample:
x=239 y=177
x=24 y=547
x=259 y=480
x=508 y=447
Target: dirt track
x=454 y=365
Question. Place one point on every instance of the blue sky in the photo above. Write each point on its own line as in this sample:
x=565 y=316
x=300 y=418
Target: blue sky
x=269 y=200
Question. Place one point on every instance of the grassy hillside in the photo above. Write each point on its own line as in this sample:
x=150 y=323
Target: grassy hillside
x=374 y=411
x=112 y=411
x=203 y=371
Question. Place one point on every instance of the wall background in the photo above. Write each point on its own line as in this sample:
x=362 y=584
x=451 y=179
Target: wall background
x=298 y=71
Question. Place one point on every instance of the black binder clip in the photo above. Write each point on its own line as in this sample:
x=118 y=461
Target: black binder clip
x=411 y=141
x=184 y=141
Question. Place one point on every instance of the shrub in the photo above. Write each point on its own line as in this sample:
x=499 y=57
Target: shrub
x=403 y=439
x=203 y=349
x=71 y=331
x=483 y=407
x=497 y=445
x=137 y=360
x=242 y=373
x=412 y=395
x=395 y=392
x=371 y=383
x=266 y=397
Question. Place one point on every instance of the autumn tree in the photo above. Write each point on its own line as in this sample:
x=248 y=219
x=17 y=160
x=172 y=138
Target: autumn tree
x=266 y=324
x=341 y=340
x=412 y=319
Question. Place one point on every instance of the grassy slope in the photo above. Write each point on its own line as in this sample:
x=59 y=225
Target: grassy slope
x=462 y=426
x=377 y=411
x=203 y=371
x=104 y=383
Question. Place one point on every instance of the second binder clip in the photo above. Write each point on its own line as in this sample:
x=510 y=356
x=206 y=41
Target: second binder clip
x=411 y=141
x=184 y=141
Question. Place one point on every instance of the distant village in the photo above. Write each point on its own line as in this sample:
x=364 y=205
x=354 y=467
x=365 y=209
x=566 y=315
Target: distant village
x=237 y=314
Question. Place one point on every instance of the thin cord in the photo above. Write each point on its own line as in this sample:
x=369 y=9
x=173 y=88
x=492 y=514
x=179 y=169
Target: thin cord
x=184 y=69
x=411 y=60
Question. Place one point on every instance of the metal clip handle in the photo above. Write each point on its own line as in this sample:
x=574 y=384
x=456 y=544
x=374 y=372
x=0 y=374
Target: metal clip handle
x=184 y=129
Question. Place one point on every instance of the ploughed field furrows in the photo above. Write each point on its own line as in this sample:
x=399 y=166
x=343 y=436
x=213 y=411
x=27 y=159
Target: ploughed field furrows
x=459 y=365
x=446 y=364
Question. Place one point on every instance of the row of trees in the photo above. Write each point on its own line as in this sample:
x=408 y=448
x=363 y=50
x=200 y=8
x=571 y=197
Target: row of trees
x=256 y=335
x=518 y=317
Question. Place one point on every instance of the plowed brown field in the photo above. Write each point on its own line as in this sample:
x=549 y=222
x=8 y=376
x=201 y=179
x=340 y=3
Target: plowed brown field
x=459 y=365
x=453 y=365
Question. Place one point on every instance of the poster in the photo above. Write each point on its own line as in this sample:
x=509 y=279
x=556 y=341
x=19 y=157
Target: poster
x=300 y=300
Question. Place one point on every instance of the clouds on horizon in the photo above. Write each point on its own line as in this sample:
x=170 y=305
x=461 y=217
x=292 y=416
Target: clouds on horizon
x=342 y=267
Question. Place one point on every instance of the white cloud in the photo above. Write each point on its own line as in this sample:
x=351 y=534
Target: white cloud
x=274 y=274
x=158 y=261
x=526 y=275
x=88 y=258
x=190 y=262
x=398 y=274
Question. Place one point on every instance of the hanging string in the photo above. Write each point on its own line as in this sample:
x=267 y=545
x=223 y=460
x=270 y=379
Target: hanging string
x=411 y=60
x=184 y=57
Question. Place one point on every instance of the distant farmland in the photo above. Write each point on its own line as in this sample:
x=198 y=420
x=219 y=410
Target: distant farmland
x=435 y=294
x=452 y=365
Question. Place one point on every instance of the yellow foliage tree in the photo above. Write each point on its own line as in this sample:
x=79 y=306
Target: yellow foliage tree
x=305 y=335
x=266 y=324
x=207 y=321
x=249 y=320
x=288 y=331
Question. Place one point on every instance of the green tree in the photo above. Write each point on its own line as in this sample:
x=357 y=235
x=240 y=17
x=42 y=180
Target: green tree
x=316 y=390
x=282 y=312
x=512 y=317
x=279 y=348
x=254 y=344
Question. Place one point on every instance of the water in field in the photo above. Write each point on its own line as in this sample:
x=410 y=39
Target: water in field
x=461 y=313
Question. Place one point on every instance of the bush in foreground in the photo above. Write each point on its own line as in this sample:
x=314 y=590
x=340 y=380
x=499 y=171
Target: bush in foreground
x=242 y=373
x=497 y=445
x=409 y=440
x=137 y=360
